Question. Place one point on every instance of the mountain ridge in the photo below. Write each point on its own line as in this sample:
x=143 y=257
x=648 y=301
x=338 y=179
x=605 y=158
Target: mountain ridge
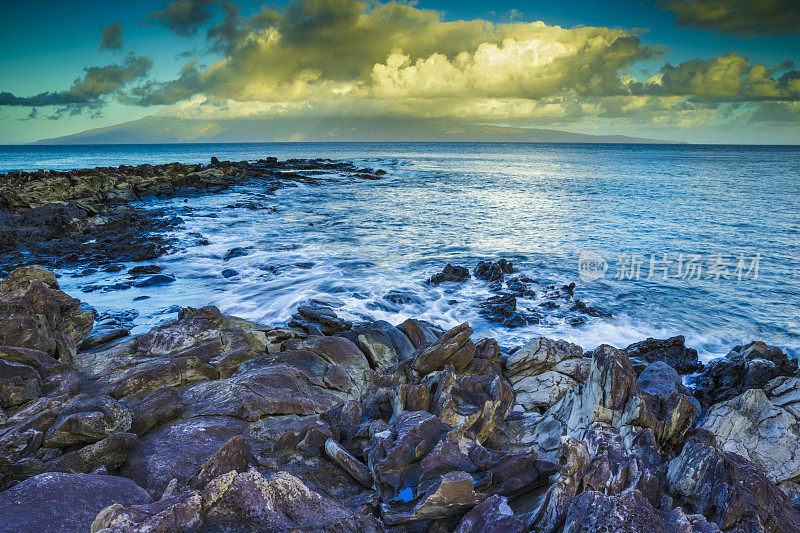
x=163 y=129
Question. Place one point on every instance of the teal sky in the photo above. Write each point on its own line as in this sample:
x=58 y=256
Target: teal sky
x=664 y=69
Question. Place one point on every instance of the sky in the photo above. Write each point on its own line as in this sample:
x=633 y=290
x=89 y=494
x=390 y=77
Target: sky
x=706 y=71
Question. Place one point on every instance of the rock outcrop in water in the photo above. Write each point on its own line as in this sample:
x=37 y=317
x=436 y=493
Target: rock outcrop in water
x=83 y=217
x=213 y=423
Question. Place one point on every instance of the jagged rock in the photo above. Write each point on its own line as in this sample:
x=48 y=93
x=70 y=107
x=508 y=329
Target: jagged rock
x=543 y=370
x=753 y=427
x=234 y=455
x=476 y=403
x=728 y=489
x=18 y=384
x=489 y=271
x=320 y=319
x=239 y=502
x=629 y=512
x=745 y=367
x=35 y=313
x=87 y=420
x=109 y=453
x=156 y=408
x=202 y=344
x=498 y=308
x=57 y=502
x=350 y=464
x=453 y=348
x=450 y=496
x=493 y=515
x=178 y=450
x=421 y=334
x=450 y=273
x=672 y=405
x=379 y=349
x=581 y=307
x=672 y=351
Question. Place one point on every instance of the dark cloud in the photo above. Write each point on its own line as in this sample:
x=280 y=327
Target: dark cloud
x=185 y=17
x=112 y=37
x=745 y=18
x=166 y=93
x=88 y=92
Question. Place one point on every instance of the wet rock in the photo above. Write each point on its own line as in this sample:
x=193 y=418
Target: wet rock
x=229 y=273
x=450 y=273
x=453 y=348
x=145 y=269
x=234 y=253
x=672 y=351
x=35 y=313
x=488 y=271
x=102 y=336
x=154 y=281
x=318 y=319
x=745 y=367
x=58 y=502
x=728 y=489
x=543 y=370
x=581 y=307
x=498 y=308
x=750 y=425
x=420 y=333
x=493 y=515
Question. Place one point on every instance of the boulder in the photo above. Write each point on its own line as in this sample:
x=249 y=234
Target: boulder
x=453 y=348
x=36 y=314
x=449 y=273
x=178 y=450
x=86 y=420
x=672 y=351
x=58 y=502
x=493 y=515
x=543 y=370
x=745 y=367
x=239 y=501
x=728 y=489
x=752 y=426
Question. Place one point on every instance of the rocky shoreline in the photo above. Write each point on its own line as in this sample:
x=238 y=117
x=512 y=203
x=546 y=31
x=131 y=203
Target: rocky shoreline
x=214 y=423
x=85 y=217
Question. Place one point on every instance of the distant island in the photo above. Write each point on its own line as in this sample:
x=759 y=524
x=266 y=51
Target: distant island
x=165 y=129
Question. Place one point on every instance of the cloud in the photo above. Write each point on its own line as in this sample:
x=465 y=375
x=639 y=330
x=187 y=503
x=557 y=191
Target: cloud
x=184 y=17
x=745 y=18
x=356 y=58
x=347 y=57
x=112 y=37
x=88 y=92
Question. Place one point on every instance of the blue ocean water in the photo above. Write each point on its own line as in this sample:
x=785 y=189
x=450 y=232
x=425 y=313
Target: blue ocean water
x=702 y=241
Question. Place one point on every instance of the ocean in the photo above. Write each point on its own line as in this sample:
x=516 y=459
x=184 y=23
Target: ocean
x=700 y=241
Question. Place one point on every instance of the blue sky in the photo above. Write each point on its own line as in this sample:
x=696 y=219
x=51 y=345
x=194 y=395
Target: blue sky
x=45 y=47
